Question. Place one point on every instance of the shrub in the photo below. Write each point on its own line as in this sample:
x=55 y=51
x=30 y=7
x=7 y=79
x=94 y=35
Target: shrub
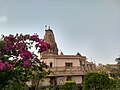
x=69 y=85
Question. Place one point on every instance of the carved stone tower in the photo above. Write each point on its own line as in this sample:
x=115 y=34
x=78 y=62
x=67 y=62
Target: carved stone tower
x=49 y=37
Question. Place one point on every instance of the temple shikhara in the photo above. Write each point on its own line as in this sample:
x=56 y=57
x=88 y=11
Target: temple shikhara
x=64 y=67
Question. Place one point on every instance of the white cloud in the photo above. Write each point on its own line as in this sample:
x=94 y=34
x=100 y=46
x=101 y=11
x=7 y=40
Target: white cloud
x=3 y=19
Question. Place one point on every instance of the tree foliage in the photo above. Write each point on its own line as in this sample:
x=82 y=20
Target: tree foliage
x=118 y=62
x=96 y=81
x=69 y=85
x=17 y=63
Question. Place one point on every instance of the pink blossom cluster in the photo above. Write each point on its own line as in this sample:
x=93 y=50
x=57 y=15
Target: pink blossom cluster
x=17 y=46
x=4 y=65
x=9 y=38
x=19 y=42
x=26 y=55
x=42 y=45
x=35 y=38
x=27 y=63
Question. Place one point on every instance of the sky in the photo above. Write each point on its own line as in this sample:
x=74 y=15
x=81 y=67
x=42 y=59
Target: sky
x=90 y=27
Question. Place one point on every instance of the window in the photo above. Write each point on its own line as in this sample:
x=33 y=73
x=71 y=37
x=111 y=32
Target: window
x=51 y=64
x=68 y=65
x=80 y=63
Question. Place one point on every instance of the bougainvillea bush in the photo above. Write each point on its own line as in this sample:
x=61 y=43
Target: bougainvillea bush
x=17 y=63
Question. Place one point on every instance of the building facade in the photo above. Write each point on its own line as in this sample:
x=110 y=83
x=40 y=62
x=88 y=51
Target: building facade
x=63 y=67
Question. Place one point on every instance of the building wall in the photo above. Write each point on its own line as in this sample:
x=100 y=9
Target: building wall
x=46 y=82
x=61 y=62
x=61 y=80
x=77 y=79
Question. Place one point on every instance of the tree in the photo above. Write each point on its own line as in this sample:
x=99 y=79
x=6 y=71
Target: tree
x=117 y=59
x=118 y=62
x=96 y=81
x=17 y=64
x=118 y=67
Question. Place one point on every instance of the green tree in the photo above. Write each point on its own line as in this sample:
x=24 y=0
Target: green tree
x=118 y=62
x=96 y=81
x=118 y=67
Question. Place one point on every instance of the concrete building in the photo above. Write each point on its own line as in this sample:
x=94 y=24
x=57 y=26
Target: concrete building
x=64 y=67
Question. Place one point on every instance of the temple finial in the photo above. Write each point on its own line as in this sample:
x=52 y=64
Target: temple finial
x=49 y=27
x=45 y=27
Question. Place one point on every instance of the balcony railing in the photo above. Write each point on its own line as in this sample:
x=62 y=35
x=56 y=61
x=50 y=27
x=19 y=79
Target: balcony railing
x=82 y=68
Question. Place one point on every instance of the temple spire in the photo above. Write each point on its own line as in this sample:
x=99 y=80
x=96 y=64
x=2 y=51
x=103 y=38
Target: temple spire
x=49 y=37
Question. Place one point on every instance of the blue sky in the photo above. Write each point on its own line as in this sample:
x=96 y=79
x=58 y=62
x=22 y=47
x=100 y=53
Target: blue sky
x=91 y=27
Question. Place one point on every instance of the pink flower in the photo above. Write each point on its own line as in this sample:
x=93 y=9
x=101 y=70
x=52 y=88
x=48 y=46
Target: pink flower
x=47 y=46
x=19 y=38
x=27 y=63
x=26 y=37
x=0 y=61
x=9 y=38
x=4 y=65
x=25 y=54
x=9 y=65
x=1 y=65
x=8 y=46
x=37 y=45
x=19 y=46
x=34 y=38
x=44 y=46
